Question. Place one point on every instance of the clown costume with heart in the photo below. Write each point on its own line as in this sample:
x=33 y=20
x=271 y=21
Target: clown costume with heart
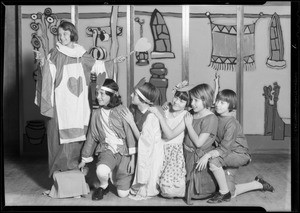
x=64 y=98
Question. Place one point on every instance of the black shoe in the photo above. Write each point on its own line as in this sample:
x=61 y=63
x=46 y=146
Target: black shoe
x=99 y=193
x=218 y=198
x=266 y=185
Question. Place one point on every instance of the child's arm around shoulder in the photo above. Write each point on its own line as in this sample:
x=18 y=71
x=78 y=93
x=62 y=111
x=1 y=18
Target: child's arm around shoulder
x=168 y=132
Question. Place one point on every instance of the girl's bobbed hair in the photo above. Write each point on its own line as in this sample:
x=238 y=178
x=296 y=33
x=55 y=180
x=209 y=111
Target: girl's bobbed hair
x=150 y=92
x=228 y=96
x=205 y=93
x=183 y=96
x=65 y=25
x=115 y=98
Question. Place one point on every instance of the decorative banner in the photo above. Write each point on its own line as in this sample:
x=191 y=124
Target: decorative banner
x=224 y=50
x=276 y=60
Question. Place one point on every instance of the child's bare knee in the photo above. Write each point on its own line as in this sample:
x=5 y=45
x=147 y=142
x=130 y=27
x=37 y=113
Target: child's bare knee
x=102 y=170
x=123 y=193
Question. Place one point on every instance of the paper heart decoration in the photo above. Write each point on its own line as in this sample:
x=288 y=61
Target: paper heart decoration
x=100 y=79
x=142 y=45
x=75 y=85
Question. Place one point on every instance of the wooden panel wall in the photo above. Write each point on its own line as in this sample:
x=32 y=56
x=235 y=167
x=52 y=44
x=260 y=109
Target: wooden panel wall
x=10 y=84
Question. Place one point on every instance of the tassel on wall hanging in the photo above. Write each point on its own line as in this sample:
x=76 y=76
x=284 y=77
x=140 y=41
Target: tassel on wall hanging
x=224 y=50
x=275 y=59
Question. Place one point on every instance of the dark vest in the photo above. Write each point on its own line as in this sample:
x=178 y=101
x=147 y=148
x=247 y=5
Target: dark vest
x=139 y=117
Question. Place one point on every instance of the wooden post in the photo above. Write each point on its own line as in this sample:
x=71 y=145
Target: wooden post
x=74 y=15
x=130 y=47
x=240 y=63
x=185 y=41
x=20 y=79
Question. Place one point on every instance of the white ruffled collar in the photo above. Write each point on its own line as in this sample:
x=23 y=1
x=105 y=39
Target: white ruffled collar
x=75 y=52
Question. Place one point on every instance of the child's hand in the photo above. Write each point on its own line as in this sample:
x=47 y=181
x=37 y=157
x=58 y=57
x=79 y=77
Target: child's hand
x=217 y=78
x=127 y=115
x=39 y=56
x=202 y=162
x=188 y=119
x=165 y=106
x=93 y=77
x=81 y=165
x=119 y=59
x=130 y=168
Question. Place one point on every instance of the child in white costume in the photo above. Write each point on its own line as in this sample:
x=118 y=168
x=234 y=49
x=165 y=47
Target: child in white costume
x=150 y=145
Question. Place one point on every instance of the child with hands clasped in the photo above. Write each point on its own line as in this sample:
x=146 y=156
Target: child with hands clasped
x=112 y=140
x=231 y=152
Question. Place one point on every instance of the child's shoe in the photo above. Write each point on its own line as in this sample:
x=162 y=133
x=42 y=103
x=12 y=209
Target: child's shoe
x=99 y=193
x=218 y=198
x=266 y=185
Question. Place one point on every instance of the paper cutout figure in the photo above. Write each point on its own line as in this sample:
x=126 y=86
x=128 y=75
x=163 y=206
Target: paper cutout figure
x=158 y=72
x=161 y=36
x=275 y=126
x=142 y=45
x=141 y=56
x=275 y=59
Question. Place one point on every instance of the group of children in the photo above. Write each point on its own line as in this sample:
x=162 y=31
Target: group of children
x=171 y=150
x=189 y=148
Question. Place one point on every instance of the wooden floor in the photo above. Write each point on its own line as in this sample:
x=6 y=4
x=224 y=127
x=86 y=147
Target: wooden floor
x=25 y=180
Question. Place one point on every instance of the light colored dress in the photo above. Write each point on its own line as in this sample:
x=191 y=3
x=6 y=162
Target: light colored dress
x=149 y=160
x=172 y=180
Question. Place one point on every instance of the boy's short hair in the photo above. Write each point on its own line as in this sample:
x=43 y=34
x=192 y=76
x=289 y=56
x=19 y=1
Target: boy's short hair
x=183 y=96
x=115 y=99
x=205 y=93
x=150 y=92
x=229 y=96
x=65 y=25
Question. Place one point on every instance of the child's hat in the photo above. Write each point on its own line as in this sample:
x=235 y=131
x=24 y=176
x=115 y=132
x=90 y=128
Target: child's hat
x=183 y=87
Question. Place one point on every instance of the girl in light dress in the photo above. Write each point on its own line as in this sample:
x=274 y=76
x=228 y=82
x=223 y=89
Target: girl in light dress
x=172 y=179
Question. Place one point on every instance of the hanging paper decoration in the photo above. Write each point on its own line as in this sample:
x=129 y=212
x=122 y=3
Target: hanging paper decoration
x=98 y=53
x=141 y=56
x=224 y=50
x=275 y=59
x=42 y=24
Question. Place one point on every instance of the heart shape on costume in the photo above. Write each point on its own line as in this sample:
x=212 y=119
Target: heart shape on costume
x=100 y=79
x=75 y=85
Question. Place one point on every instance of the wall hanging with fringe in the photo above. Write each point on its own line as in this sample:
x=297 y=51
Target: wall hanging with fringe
x=224 y=50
